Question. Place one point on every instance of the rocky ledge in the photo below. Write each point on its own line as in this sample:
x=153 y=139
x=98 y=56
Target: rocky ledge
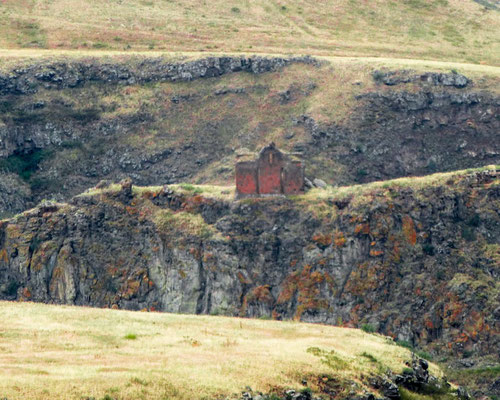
x=72 y=74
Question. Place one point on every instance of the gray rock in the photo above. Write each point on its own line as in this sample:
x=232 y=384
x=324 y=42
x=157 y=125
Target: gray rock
x=319 y=183
x=462 y=393
x=495 y=387
x=307 y=183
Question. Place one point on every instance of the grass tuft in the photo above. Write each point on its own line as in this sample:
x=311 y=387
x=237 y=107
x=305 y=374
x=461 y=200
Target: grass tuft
x=130 y=336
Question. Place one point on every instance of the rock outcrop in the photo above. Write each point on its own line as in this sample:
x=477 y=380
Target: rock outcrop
x=417 y=262
x=72 y=74
x=415 y=379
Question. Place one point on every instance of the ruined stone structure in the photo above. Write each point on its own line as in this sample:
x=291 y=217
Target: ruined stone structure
x=272 y=173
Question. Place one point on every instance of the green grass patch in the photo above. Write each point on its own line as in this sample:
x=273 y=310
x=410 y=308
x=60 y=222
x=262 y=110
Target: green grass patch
x=329 y=358
x=130 y=336
x=368 y=328
x=421 y=353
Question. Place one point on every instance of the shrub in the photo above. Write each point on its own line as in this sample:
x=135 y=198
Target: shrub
x=377 y=75
x=428 y=249
x=468 y=234
x=360 y=174
x=424 y=354
x=440 y=275
x=405 y=344
x=474 y=221
x=235 y=10
x=368 y=328
x=12 y=288
x=24 y=164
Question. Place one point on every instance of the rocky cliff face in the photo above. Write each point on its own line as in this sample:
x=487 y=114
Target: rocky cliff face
x=66 y=125
x=417 y=260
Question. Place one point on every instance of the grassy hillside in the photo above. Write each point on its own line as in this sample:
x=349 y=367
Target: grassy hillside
x=452 y=30
x=56 y=352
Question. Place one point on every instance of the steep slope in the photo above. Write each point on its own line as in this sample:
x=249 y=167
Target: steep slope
x=65 y=125
x=451 y=30
x=416 y=259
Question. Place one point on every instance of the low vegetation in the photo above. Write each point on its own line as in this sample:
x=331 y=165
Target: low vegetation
x=61 y=352
x=392 y=185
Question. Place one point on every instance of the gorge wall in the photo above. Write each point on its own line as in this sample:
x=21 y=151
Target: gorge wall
x=417 y=260
x=65 y=125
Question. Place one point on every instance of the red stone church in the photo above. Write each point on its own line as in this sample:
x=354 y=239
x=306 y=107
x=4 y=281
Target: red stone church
x=272 y=173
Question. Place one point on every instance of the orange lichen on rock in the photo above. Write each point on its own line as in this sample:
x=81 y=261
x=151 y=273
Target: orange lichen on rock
x=3 y=256
x=243 y=279
x=261 y=294
x=363 y=229
x=339 y=239
x=409 y=231
x=322 y=240
x=307 y=286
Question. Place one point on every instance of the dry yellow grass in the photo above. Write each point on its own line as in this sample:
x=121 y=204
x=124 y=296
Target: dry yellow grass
x=416 y=182
x=330 y=192
x=454 y=30
x=318 y=201
x=13 y=56
x=62 y=352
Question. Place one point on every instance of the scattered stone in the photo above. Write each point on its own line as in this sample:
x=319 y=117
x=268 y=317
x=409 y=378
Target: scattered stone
x=390 y=390
x=466 y=363
x=392 y=78
x=48 y=206
x=320 y=183
x=495 y=387
x=307 y=183
x=462 y=393
x=220 y=92
x=285 y=96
